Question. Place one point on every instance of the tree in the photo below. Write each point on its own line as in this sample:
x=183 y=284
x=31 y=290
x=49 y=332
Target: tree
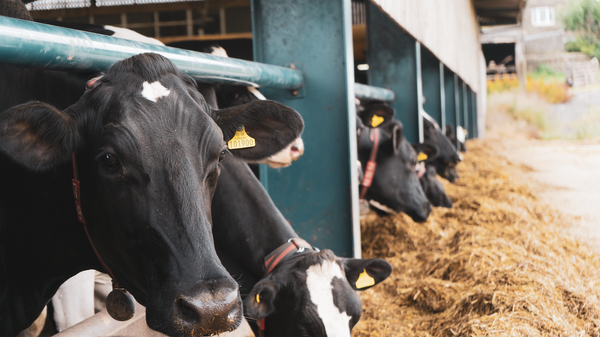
x=583 y=17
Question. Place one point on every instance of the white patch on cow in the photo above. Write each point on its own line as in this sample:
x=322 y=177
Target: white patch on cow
x=318 y=281
x=256 y=93
x=460 y=134
x=219 y=51
x=154 y=91
x=129 y=34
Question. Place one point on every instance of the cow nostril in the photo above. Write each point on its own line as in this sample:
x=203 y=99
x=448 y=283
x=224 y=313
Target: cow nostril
x=188 y=311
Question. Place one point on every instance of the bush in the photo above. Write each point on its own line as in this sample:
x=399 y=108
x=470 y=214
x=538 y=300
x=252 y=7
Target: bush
x=553 y=89
x=583 y=17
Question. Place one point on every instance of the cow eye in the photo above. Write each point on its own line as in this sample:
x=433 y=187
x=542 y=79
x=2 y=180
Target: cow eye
x=110 y=161
x=414 y=162
x=223 y=155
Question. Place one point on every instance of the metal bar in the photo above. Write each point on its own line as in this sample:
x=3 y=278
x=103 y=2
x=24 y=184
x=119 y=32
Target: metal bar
x=30 y=44
x=318 y=194
x=419 y=90
x=465 y=109
x=456 y=110
x=442 y=98
x=374 y=93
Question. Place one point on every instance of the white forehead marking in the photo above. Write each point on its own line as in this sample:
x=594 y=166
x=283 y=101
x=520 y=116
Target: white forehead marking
x=318 y=281
x=154 y=91
x=256 y=93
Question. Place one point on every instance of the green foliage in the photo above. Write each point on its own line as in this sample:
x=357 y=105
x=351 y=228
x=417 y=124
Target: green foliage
x=583 y=17
x=545 y=71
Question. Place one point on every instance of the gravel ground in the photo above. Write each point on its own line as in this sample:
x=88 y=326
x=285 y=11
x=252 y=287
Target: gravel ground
x=567 y=114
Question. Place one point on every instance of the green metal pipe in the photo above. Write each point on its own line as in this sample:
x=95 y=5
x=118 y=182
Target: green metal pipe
x=30 y=44
x=374 y=93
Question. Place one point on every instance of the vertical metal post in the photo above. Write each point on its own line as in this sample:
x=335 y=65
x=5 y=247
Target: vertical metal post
x=222 y=22
x=432 y=75
x=457 y=110
x=442 y=99
x=419 y=89
x=465 y=111
x=474 y=114
x=393 y=65
x=318 y=194
x=449 y=98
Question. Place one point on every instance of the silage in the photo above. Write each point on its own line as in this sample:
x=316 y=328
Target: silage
x=497 y=264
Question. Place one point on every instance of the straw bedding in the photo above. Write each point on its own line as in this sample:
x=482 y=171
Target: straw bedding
x=497 y=264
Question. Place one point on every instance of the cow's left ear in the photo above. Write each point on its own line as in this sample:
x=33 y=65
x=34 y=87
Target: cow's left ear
x=270 y=124
x=376 y=115
x=260 y=303
x=363 y=274
x=426 y=152
x=37 y=135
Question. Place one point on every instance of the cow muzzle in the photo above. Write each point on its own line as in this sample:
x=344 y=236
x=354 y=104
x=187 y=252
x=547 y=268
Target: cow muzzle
x=204 y=309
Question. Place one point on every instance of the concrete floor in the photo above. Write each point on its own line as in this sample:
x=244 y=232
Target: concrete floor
x=565 y=175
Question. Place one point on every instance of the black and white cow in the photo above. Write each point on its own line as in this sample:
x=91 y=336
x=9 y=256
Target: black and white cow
x=459 y=136
x=434 y=190
x=147 y=147
x=306 y=293
x=447 y=158
x=394 y=183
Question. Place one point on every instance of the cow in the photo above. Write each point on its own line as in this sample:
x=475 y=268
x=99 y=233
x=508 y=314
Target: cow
x=381 y=145
x=454 y=137
x=306 y=292
x=447 y=159
x=434 y=190
x=145 y=147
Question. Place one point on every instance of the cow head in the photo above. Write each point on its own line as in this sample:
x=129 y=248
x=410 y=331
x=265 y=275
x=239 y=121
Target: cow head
x=233 y=95
x=435 y=192
x=395 y=183
x=148 y=148
x=313 y=294
x=447 y=159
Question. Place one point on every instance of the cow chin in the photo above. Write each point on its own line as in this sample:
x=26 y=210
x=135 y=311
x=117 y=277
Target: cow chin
x=202 y=309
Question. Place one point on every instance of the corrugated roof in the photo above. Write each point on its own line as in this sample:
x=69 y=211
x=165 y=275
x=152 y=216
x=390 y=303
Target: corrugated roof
x=40 y=5
x=499 y=12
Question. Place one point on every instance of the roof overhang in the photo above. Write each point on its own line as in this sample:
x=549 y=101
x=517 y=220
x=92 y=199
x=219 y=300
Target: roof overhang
x=499 y=12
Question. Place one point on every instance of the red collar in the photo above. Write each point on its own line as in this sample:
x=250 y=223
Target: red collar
x=371 y=164
x=293 y=245
x=76 y=184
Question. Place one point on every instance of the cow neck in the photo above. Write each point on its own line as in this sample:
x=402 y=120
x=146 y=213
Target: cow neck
x=371 y=164
x=280 y=254
x=76 y=184
x=283 y=252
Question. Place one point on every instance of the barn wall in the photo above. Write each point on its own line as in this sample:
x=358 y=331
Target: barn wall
x=449 y=29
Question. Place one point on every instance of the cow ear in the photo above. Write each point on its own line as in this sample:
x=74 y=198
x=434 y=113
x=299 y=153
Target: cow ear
x=426 y=152
x=397 y=136
x=272 y=125
x=363 y=274
x=376 y=115
x=260 y=303
x=37 y=135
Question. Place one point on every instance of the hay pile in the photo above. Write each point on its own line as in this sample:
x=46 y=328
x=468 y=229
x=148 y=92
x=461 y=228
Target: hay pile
x=497 y=264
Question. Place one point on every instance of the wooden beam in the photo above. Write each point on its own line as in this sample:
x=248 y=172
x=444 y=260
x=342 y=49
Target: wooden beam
x=210 y=37
x=166 y=7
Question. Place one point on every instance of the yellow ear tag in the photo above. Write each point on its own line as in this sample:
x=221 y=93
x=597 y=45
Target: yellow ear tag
x=422 y=156
x=376 y=120
x=241 y=140
x=364 y=280
x=257 y=298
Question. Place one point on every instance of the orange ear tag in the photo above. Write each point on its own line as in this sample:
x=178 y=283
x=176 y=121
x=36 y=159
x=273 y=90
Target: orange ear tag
x=422 y=156
x=364 y=280
x=376 y=120
x=241 y=140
